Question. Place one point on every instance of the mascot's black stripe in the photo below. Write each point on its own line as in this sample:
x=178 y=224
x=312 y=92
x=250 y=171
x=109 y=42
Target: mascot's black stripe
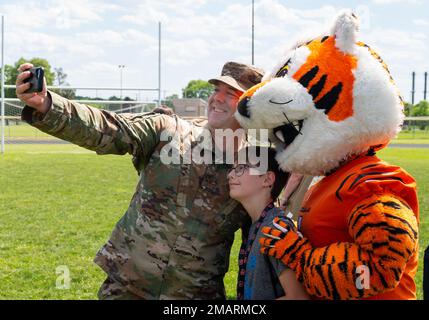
x=322 y=277
x=359 y=254
x=393 y=230
x=337 y=193
x=397 y=252
x=343 y=268
x=405 y=204
x=302 y=262
x=309 y=258
x=392 y=204
x=349 y=294
x=323 y=257
x=377 y=245
x=330 y=99
x=403 y=221
x=393 y=239
x=370 y=225
x=397 y=274
x=346 y=258
x=317 y=88
x=308 y=76
x=358 y=217
x=383 y=281
x=324 y=38
x=293 y=254
x=386 y=257
x=396 y=231
x=272 y=242
x=371 y=204
x=369 y=268
x=360 y=291
x=363 y=175
x=317 y=292
x=371 y=152
x=335 y=293
x=290 y=248
x=358 y=208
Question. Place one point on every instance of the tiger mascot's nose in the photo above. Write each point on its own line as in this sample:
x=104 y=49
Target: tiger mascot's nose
x=242 y=106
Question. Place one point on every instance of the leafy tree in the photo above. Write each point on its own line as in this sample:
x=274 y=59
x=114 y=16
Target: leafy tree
x=198 y=89
x=11 y=72
x=421 y=109
x=407 y=109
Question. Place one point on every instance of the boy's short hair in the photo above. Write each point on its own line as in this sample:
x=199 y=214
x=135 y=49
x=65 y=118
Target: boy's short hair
x=271 y=165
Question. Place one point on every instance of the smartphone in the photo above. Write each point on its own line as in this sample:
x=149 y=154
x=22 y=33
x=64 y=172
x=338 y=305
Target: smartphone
x=35 y=79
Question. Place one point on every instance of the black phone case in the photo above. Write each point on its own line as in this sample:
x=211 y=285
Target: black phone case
x=36 y=80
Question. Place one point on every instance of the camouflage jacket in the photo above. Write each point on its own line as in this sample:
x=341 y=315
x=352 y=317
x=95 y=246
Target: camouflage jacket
x=175 y=237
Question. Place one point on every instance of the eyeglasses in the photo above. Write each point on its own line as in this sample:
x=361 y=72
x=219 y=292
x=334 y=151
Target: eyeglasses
x=240 y=169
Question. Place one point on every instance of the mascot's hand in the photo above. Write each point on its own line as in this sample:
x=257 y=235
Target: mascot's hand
x=284 y=243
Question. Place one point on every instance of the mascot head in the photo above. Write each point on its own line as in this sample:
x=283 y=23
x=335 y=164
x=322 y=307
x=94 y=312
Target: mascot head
x=327 y=99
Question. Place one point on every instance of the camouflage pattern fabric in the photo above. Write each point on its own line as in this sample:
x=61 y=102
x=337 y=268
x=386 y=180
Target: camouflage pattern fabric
x=174 y=240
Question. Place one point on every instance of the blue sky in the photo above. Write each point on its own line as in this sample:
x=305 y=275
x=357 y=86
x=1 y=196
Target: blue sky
x=90 y=38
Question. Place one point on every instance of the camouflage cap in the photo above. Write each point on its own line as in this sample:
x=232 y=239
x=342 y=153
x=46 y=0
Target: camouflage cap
x=239 y=76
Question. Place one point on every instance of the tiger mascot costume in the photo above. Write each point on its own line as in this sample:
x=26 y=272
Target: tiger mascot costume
x=329 y=105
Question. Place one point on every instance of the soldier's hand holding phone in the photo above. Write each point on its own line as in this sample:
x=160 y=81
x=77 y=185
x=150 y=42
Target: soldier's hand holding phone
x=31 y=87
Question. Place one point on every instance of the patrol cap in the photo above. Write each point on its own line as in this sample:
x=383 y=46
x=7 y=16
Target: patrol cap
x=239 y=76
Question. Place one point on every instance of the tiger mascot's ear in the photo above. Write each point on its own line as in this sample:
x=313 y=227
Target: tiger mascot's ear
x=345 y=32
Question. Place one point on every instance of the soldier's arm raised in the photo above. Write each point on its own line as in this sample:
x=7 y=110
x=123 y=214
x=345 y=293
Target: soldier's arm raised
x=99 y=130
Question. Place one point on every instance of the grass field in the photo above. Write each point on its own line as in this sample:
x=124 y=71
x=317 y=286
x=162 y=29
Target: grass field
x=59 y=203
x=24 y=131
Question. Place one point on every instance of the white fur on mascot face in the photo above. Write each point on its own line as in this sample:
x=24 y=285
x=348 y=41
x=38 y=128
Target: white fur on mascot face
x=327 y=99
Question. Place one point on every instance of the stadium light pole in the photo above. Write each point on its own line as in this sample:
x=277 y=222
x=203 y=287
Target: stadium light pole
x=253 y=32
x=159 y=63
x=425 y=86
x=121 y=67
x=2 y=84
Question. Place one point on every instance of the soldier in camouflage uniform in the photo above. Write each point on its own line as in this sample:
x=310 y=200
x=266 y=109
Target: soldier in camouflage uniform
x=175 y=238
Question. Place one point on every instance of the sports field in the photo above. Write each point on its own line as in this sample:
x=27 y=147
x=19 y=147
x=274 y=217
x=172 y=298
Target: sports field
x=59 y=203
x=24 y=131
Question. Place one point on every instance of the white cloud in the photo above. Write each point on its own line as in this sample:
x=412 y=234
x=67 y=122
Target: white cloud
x=98 y=67
x=421 y=22
x=397 y=1
x=89 y=39
x=117 y=38
x=58 y=14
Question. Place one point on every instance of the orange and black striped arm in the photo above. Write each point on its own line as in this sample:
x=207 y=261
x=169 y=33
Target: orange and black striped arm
x=385 y=231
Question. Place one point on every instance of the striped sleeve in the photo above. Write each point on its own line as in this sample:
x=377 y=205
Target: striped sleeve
x=385 y=233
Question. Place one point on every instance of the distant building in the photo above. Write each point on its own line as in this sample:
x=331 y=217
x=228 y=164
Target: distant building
x=190 y=107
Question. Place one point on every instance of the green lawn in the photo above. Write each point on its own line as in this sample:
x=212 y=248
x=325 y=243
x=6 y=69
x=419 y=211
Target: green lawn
x=24 y=131
x=414 y=134
x=59 y=203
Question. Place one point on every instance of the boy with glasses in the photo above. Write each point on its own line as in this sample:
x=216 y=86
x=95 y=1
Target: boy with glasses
x=256 y=188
